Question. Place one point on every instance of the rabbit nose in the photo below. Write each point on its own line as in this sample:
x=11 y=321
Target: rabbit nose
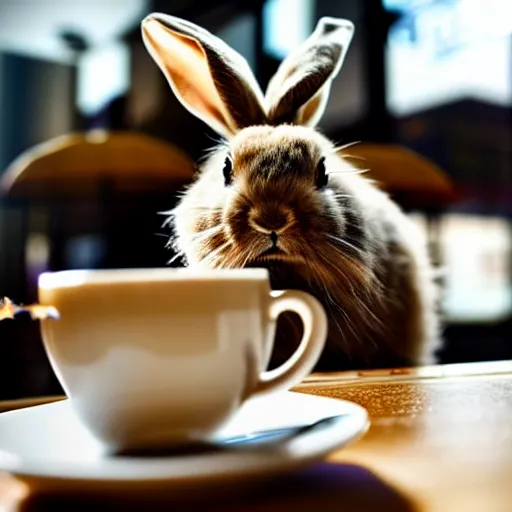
x=269 y=221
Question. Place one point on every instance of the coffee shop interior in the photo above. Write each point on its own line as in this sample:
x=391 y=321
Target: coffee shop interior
x=94 y=145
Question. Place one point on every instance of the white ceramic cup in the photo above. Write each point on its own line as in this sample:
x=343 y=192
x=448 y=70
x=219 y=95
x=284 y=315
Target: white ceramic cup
x=155 y=357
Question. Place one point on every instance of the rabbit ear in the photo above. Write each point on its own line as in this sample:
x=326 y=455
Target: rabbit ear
x=210 y=79
x=299 y=90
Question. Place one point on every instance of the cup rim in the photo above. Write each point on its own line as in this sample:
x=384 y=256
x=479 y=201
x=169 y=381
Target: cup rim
x=75 y=277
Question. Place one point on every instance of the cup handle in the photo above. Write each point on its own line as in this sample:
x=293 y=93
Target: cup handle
x=303 y=360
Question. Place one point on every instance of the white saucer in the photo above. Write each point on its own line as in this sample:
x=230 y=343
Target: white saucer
x=47 y=445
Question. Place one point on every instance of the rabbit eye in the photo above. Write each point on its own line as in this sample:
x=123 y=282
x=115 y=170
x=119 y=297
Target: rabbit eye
x=321 y=174
x=227 y=171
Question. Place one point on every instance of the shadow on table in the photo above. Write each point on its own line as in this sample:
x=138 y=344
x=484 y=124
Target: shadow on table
x=325 y=487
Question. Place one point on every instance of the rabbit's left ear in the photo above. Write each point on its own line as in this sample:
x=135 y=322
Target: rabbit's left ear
x=299 y=90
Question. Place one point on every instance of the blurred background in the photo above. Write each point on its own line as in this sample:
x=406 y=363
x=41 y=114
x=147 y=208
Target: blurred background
x=93 y=144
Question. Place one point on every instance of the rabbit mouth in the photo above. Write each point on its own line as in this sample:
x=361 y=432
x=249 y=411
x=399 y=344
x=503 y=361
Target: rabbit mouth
x=277 y=254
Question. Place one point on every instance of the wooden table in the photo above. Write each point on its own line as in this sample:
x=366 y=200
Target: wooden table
x=440 y=440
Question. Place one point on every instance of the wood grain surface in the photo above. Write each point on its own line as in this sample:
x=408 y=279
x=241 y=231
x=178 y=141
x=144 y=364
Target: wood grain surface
x=440 y=440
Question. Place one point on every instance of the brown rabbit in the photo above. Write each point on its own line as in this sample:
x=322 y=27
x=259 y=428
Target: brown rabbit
x=277 y=195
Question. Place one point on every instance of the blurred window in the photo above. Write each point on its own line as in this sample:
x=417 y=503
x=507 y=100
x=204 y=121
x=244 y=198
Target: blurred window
x=443 y=51
x=103 y=74
x=476 y=255
x=287 y=24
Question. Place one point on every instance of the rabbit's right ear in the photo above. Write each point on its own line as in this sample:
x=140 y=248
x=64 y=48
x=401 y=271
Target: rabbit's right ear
x=299 y=90
x=210 y=79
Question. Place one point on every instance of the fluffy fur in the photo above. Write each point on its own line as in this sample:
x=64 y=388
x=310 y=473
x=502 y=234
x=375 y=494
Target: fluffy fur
x=346 y=243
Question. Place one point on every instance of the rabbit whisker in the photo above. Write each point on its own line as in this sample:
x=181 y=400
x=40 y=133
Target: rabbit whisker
x=208 y=153
x=356 y=157
x=340 y=194
x=238 y=261
x=370 y=277
x=362 y=304
x=336 y=306
x=231 y=260
x=345 y=243
x=347 y=145
x=166 y=212
x=167 y=222
x=205 y=233
x=252 y=255
x=206 y=208
x=171 y=242
x=175 y=257
x=219 y=141
x=354 y=170
x=212 y=257
x=354 y=295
